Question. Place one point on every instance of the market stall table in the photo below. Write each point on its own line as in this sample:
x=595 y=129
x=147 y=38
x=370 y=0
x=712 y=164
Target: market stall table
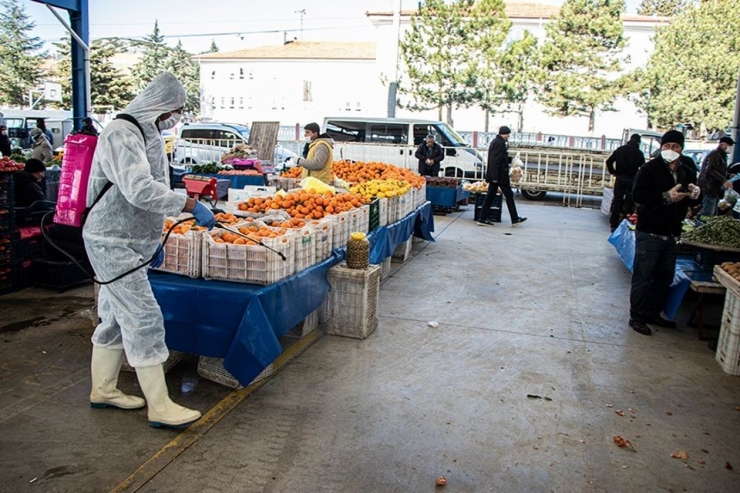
x=242 y=322
x=446 y=196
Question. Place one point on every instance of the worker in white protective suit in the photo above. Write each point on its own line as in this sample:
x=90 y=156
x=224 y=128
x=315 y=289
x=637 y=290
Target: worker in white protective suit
x=122 y=232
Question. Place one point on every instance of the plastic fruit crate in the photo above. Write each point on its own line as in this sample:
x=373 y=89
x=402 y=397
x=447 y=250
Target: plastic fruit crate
x=421 y=196
x=10 y=278
x=305 y=247
x=393 y=210
x=728 y=346
x=405 y=205
x=385 y=269
x=341 y=229
x=245 y=263
x=213 y=369
x=7 y=219
x=360 y=219
x=8 y=247
x=7 y=190
x=31 y=248
x=183 y=254
x=324 y=237
x=61 y=275
x=310 y=323
x=174 y=358
x=403 y=251
x=354 y=299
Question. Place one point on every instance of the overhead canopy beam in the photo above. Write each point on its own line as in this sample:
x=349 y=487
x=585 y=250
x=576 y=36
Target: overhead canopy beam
x=79 y=27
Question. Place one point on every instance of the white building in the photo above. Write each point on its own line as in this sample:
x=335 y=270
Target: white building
x=305 y=81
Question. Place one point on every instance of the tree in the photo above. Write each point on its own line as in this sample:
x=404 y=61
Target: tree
x=439 y=72
x=181 y=64
x=153 y=60
x=489 y=29
x=666 y=8
x=519 y=65
x=110 y=89
x=21 y=55
x=691 y=76
x=581 y=59
x=213 y=48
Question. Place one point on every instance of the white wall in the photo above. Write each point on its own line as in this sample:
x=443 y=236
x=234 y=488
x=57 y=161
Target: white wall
x=289 y=91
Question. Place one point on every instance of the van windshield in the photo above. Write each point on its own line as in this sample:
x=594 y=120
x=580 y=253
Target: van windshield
x=453 y=135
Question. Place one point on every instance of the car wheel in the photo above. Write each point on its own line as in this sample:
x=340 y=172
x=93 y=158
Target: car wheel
x=534 y=194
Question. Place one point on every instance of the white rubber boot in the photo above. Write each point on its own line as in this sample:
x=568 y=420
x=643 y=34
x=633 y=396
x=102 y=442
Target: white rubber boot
x=105 y=367
x=162 y=411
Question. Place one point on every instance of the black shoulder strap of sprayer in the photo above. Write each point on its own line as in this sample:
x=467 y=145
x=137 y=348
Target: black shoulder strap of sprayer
x=108 y=185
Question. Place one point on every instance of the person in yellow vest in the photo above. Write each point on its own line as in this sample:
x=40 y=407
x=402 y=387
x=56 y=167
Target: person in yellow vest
x=318 y=162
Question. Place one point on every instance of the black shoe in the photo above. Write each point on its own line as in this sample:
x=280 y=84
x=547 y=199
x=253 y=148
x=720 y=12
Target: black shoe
x=662 y=322
x=484 y=222
x=519 y=220
x=640 y=327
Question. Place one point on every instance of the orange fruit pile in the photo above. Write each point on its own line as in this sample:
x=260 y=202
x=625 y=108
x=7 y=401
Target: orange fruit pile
x=305 y=204
x=228 y=218
x=255 y=234
x=294 y=172
x=360 y=172
x=182 y=228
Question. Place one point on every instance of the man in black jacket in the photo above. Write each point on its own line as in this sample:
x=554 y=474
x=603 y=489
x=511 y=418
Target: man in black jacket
x=4 y=141
x=429 y=154
x=713 y=176
x=628 y=159
x=26 y=183
x=497 y=176
x=664 y=190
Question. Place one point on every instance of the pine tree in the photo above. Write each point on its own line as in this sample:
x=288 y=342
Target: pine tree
x=439 y=72
x=213 y=48
x=666 y=8
x=489 y=29
x=153 y=60
x=519 y=66
x=182 y=65
x=581 y=58
x=110 y=89
x=21 y=55
x=691 y=76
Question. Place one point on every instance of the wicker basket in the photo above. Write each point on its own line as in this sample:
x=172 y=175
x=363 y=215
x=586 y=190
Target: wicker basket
x=354 y=300
x=213 y=369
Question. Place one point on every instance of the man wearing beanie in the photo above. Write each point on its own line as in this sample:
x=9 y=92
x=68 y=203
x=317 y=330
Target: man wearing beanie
x=665 y=188
x=497 y=176
x=320 y=158
x=713 y=177
x=26 y=183
x=624 y=163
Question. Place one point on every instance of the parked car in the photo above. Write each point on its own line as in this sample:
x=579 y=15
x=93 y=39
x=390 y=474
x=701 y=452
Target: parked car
x=207 y=142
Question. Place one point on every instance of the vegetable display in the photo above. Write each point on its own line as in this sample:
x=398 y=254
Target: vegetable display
x=722 y=231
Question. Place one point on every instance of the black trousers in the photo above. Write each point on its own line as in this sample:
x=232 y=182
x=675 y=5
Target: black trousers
x=652 y=275
x=622 y=202
x=429 y=170
x=508 y=194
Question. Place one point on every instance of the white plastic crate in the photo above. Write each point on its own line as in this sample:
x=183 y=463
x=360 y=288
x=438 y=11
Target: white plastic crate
x=245 y=263
x=360 y=219
x=405 y=205
x=421 y=195
x=354 y=300
x=183 y=254
x=323 y=238
x=174 y=358
x=403 y=251
x=385 y=269
x=305 y=247
x=383 y=211
x=392 y=210
x=311 y=322
x=341 y=228
x=728 y=346
x=213 y=369
x=287 y=183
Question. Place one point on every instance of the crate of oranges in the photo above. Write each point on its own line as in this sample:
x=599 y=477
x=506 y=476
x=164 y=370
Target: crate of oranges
x=183 y=249
x=235 y=254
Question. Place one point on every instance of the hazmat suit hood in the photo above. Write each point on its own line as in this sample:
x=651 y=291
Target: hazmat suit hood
x=163 y=94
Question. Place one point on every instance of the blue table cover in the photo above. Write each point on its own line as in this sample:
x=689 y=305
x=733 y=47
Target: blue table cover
x=623 y=240
x=242 y=322
x=446 y=196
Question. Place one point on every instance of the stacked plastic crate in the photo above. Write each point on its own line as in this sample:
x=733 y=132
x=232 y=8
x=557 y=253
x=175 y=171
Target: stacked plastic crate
x=10 y=268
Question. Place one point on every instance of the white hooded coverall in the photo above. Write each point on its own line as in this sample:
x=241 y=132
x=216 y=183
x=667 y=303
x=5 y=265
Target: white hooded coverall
x=123 y=230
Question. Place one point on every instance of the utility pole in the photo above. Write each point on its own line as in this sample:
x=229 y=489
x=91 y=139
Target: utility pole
x=302 y=12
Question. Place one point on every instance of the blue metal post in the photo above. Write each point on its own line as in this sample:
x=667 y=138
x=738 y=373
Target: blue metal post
x=80 y=25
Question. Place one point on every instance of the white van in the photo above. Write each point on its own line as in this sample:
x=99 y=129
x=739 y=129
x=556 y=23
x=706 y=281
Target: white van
x=395 y=140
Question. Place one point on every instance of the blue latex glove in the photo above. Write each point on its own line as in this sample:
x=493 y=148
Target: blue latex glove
x=203 y=216
x=159 y=260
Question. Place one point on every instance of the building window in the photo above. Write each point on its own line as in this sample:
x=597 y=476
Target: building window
x=307 y=95
x=213 y=74
x=241 y=73
x=223 y=103
x=241 y=103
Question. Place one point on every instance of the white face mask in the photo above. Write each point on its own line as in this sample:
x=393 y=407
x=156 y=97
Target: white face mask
x=669 y=156
x=169 y=122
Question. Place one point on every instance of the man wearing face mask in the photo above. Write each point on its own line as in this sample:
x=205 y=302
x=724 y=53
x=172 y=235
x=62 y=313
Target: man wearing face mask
x=4 y=141
x=665 y=188
x=128 y=198
x=713 y=177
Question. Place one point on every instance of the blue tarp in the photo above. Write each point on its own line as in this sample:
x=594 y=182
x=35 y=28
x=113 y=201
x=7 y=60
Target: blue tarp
x=623 y=240
x=446 y=196
x=242 y=322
